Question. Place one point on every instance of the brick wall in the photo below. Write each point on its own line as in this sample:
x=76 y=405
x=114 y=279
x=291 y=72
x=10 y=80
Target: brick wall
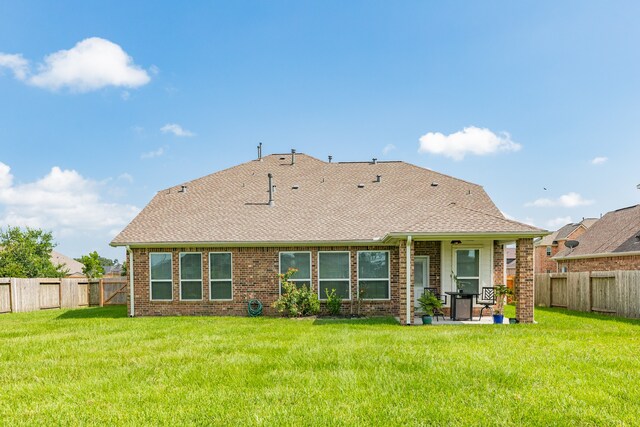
x=524 y=280
x=631 y=262
x=255 y=272
x=498 y=263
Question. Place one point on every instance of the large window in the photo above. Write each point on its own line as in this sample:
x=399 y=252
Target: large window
x=373 y=274
x=334 y=272
x=548 y=250
x=468 y=269
x=191 y=276
x=220 y=285
x=161 y=285
x=301 y=261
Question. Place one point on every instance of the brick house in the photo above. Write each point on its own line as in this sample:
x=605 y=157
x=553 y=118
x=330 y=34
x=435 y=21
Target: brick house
x=612 y=243
x=549 y=246
x=384 y=229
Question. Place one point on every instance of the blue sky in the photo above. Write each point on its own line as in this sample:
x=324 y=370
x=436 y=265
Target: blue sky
x=104 y=103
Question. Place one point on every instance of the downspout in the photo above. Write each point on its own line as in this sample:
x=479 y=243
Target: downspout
x=409 y=280
x=131 y=298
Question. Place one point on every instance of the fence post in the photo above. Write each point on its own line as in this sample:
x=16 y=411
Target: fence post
x=101 y=287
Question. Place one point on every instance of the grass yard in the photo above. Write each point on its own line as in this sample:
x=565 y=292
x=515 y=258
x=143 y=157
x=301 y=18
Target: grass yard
x=96 y=366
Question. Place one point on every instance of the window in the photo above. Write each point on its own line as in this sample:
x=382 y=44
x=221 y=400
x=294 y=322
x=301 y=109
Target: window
x=220 y=276
x=334 y=272
x=190 y=276
x=548 y=250
x=468 y=269
x=160 y=267
x=373 y=274
x=300 y=261
x=564 y=269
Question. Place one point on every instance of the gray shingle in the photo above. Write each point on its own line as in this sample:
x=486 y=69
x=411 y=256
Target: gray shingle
x=231 y=205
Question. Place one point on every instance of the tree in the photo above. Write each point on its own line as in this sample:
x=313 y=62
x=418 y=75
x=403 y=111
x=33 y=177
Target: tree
x=27 y=253
x=92 y=268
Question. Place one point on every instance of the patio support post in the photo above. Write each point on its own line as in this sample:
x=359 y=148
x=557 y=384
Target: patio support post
x=524 y=280
x=498 y=263
x=405 y=273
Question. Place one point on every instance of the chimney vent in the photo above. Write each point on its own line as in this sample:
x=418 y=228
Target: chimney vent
x=293 y=156
x=260 y=151
x=374 y=161
x=378 y=177
x=270 y=189
x=360 y=185
x=434 y=184
x=183 y=189
x=330 y=158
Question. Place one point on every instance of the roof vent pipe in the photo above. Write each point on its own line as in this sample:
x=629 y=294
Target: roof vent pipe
x=270 y=189
x=183 y=189
x=260 y=151
x=293 y=156
x=330 y=158
x=375 y=161
x=378 y=177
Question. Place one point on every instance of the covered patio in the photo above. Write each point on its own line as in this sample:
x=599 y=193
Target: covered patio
x=477 y=261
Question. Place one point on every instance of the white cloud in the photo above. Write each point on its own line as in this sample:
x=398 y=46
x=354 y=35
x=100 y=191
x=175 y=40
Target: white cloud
x=569 y=200
x=558 y=222
x=471 y=140
x=599 y=160
x=387 y=149
x=176 y=129
x=16 y=63
x=126 y=177
x=151 y=154
x=92 y=64
x=527 y=220
x=62 y=201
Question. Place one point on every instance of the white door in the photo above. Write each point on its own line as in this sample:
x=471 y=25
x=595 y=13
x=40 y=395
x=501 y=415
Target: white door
x=420 y=277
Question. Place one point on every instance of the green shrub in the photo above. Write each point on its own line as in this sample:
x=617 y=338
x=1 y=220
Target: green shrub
x=294 y=301
x=334 y=302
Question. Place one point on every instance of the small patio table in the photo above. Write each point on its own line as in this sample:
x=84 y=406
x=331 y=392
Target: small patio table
x=464 y=299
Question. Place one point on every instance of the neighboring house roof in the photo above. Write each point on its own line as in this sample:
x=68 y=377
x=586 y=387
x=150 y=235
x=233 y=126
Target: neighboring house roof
x=510 y=253
x=564 y=233
x=616 y=232
x=74 y=267
x=112 y=269
x=316 y=201
x=547 y=240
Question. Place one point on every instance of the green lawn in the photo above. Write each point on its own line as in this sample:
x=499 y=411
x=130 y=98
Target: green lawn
x=96 y=366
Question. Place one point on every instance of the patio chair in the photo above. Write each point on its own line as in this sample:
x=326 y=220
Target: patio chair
x=487 y=299
x=437 y=312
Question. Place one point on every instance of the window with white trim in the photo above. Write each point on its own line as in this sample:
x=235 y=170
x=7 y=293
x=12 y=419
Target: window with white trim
x=373 y=274
x=220 y=281
x=190 y=276
x=161 y=283
x=301 y=261
x=334 y=272
x=548 y=250
x=468 y=270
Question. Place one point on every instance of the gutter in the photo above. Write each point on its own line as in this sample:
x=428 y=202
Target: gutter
x=600 y=255
x=131 y=297
x=409 y=280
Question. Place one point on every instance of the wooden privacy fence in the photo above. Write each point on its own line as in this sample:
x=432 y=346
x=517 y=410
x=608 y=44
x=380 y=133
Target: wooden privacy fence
x=610 y=292
x=20 y=295
x=109 y=291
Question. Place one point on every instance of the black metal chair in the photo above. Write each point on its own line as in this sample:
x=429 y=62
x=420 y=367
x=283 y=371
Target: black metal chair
x=487 y=299
x=437 y=312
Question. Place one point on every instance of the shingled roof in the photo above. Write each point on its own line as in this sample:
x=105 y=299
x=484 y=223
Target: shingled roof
x=316 y=201
x=615 y=233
